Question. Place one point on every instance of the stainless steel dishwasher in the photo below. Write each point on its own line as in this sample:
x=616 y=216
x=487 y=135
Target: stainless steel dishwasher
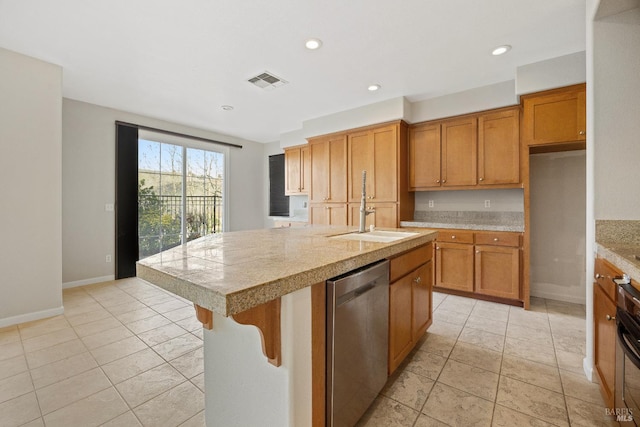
x=357 y=341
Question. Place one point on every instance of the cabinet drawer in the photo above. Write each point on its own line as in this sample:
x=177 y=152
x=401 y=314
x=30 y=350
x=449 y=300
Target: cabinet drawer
x=455 y=236
x=409 y=261
x=498 y=239
x=604 y=275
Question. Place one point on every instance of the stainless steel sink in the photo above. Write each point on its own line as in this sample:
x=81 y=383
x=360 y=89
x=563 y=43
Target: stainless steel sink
x=379 y=236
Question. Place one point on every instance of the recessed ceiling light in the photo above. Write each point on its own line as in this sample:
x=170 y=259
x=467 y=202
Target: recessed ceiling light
x=313 y=44
x=500 y=50
x=227 y=107
x=373 y=88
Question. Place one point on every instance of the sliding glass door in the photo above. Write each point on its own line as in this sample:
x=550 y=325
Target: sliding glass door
x=180 y=194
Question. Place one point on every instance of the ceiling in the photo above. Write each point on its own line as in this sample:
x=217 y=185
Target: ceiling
x=182 y=60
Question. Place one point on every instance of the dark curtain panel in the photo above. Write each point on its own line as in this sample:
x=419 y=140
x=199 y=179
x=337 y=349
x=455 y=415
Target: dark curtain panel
x=126 y=201
x=278 y=202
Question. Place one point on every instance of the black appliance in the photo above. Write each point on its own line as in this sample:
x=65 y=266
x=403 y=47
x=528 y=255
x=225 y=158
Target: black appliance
x=627 y=385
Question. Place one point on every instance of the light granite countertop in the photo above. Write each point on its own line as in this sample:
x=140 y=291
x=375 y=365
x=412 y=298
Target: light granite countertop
x=464 y=226
x=468 y=220
x=228 y=273
x=622 y=256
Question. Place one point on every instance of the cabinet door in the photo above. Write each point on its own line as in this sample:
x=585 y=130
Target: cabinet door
x=400 y=336
x=385 y=165
x=328 y=214
x=337 y=175
x=605 y=342
x=459 y=152
x=305 y=170
x=320 y=157
x=454 y=266
x=384 y=215
x=337 y=214
x=424 y=157
x=361 y=158
x=497 y=271
x=421 y=284
x=318 y=214
x=499 y=148
x=292 y=171
x=554 y=117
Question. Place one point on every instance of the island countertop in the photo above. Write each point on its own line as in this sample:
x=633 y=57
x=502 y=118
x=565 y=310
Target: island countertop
x=229 y=273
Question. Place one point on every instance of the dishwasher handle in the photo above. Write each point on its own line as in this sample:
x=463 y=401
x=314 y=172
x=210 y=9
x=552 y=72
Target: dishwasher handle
x=343 y=299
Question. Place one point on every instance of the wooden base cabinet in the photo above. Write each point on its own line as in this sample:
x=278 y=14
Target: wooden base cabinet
x=497 y=271
x=410 y=303
x=604 y=311
x=454 y=266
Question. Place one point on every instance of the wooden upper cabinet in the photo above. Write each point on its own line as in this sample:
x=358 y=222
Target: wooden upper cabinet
x=459 y=152
x=297 y=167
x=328 y=169
x=555 y=116
x=424 y=156
x=499 y=147
x=374 y=151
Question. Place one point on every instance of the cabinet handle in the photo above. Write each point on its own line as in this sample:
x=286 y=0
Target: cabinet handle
x=608 y=317
x=418 y=280
x=582 y=132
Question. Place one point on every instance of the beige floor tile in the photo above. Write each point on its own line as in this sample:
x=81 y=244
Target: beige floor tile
x=440 y=327
x=198 y=381
x=578 y=386
x=147 y=324
x=15 y=386
x=20 y=410
x=457 y=408
x=155 y=298
x=529 y=350
x=585 y=414
x=41 y=327
x=572 y=362
x=197 y=420
x=532 y=400
x=457 y=304
x=124 y=298
x=62 y=369
x=84 y=310
x=199 y=333
x=497 y=327
x=49 y=339
x=135 y=315
x=425 y=421
x=537 y=304
x=482 y=339
x=505 y=417
x=523 y=332
x=490 y=313
x=93 y=328
x=118 y=350
x=409 y=389
x=38 y=422
x=132 y=365
x=426 y=364
x=570 y=344
x=161 y=334
x=149 y=384
x=90 y=411
x=180 y=314
x=190 y=324
x=444 y=315
x=53 y=354
x=539 y=374
x=562 y=307
x=13 y=366
x=437 y=344
x=172 y=407
x=388 y=412
x=473 y=380
x=128 y=419
x=479 y=357
x=190 y=364
x=72 y=389
x=9 y=336
x=531 y=319
x=178 y=346
x=169 y=305
x=125 y=308
x=10 y=350
x=92 y=316
x=107 y=337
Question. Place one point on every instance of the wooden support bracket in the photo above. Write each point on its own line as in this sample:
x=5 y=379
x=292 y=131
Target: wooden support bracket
x=205 y=316
x=265 y=317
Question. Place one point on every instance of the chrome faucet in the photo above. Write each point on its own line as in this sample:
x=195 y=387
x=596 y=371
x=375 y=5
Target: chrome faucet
x=363 y=204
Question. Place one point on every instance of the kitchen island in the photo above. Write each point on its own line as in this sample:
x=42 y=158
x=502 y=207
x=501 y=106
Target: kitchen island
x=272 y=279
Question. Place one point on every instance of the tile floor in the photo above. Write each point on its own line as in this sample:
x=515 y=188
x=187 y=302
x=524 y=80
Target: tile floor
x=127 y=353
x=487 y=364
x=124 y=353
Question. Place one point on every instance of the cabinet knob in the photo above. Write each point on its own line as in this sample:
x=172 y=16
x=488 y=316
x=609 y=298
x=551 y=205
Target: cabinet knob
x=582 y=132
x=453 y=237
x=444 y=180
x=438 y=181
x=327 y=207
x=608 y=317
x=481 y=179
x=437 y=248
x=495 y=239
x=418 y=280
x=477 y=252
x=599 y=276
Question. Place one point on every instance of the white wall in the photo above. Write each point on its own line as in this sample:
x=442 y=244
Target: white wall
x=556 y=72
x=617 y=109
x=30 y=169
x=88 y=183
x=558 y=211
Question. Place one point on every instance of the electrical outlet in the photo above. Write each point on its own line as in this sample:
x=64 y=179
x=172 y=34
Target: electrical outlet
x=430 y=203
x=108 y=207
x=108 y=258
x=487 y=203
x=304 y=204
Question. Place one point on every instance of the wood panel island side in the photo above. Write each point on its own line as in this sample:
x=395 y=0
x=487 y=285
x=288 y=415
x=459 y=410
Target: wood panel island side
x=260 y=295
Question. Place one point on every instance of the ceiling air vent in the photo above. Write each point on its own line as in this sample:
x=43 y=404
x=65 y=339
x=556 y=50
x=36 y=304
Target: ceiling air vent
x=267 y=81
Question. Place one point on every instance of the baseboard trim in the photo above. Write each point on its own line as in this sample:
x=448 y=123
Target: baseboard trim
x=559 y=297
x=588 y=368
x=28 y=317
x=90 y=281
